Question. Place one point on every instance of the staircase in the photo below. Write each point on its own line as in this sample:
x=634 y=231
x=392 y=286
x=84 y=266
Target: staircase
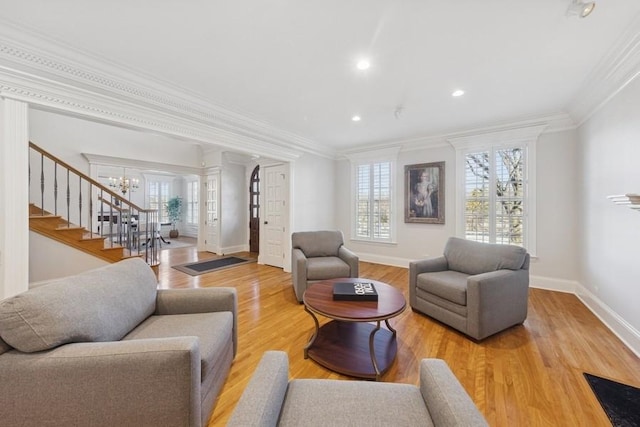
x=115 y=228
x=57 y=228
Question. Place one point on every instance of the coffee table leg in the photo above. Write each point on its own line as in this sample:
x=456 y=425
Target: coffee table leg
x=372 y=349
x=389 y=327
x=315 y=333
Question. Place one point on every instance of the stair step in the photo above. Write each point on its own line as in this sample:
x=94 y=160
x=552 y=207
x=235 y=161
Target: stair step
x=46 y=217
x=73 y=231
x=116 y=253
x=57 y=228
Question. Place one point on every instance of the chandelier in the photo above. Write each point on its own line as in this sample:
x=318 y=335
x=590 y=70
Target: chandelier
x=124 y=184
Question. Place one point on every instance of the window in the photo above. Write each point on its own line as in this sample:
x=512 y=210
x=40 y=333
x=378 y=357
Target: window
x=192 y=203
x=373 y=201
x=495 y=196
x=158 y=197
x=496 y=185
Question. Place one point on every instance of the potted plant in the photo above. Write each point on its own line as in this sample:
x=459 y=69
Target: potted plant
x=174 y=211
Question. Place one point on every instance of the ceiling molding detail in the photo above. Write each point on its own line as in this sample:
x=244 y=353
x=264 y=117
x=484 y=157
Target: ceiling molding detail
x=239 y=159
x=507 y=136
x=140 y=165
x=373 y=154
x=615 y=71
x=549 y=123
x=50 y=79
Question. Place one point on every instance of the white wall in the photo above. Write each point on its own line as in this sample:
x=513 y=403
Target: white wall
x=314 y=188
x=610 y=268
x=412 y=240
x=557 y=251
x=68 y=137
x=51 y=259
x=234 y=209
x=558 y=213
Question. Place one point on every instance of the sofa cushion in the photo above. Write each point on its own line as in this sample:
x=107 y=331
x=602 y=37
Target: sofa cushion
x=339 y=403
x=4 y=347
x=318 y=243
x=214 y=332
x=449 y=285
x=98 y=305
x=472 y=257
x=327 y=267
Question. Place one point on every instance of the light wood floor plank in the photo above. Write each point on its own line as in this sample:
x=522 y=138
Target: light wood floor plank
x=529 y=375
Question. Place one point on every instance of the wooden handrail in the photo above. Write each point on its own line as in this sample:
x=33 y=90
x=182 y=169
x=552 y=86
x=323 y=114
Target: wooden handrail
x=120 y=208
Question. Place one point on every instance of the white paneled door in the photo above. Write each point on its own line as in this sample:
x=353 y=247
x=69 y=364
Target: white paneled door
x=274 y=215
x=211 y=220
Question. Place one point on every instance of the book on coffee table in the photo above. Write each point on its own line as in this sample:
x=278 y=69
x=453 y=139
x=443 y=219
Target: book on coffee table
x=356 y=291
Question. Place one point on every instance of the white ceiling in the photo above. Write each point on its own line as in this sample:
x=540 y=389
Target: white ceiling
x=291 y=63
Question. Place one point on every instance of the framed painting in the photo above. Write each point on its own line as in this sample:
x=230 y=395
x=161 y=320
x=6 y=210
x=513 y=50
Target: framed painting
x=424 y=193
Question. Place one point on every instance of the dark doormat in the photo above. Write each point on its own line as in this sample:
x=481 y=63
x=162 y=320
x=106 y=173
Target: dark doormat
x=201 y=267
x=620 y=402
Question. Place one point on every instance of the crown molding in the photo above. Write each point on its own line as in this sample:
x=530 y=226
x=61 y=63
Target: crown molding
x=141 y=165
x=239 y=159
x=516 y=135
x=371 y=154
x=50 y=75
x=614 y=72
x=553 y=122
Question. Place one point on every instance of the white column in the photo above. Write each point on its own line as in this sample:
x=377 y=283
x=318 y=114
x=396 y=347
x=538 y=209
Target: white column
x=14 y=197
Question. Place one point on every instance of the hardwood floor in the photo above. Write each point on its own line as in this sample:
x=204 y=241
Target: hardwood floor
x=529 y=375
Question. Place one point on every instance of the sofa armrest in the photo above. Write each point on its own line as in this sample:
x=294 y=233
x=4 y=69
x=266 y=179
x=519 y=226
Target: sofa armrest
x=428 y=265
x=147 y=382
x=200 y=300
x=298 y=272
x=263 y=397
x=350 y=258
x=495 y=300
x=447 y=401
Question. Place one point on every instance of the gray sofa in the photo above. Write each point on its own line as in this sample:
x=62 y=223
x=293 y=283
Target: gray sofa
x=271 y=399
x=107 y=348
x=477 y=288
x=319 y=255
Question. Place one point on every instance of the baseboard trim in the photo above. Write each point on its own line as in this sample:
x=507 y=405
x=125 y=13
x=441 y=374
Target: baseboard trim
x=552 y=284
x=616 y=324
x=620 y=327
x=384 y=260
x=234 y=249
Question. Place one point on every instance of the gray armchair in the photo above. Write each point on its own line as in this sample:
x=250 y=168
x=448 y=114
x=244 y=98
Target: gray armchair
x=477 y=288
x=271 y=399
x=319 y=255
x=107 y=348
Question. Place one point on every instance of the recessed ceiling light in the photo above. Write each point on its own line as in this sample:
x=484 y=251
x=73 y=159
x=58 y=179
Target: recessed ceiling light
x=581 y=8
x=457 y=93
x=363 y=64
x=355 y=118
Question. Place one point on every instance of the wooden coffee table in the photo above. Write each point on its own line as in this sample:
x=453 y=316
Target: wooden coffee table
x=350 y=344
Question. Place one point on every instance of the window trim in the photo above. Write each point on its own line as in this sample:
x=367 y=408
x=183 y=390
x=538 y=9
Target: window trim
x=525 y=137
x=388 y=155
x=188 y=201
x=156 y=179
